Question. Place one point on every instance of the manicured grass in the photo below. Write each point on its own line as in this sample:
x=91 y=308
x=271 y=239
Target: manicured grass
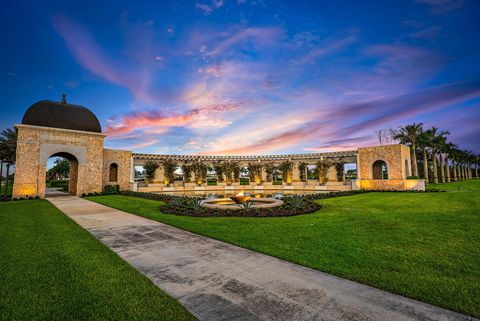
x=2 y=189
x=463 y=186
x=52 y=269
x=422 y=245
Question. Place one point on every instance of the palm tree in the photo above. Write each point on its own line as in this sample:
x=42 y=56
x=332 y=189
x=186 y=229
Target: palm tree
x=461 y=158
x=425 y=142
x=8 y=144
x=470 y=160
x=449 y=149
x=437 y=142
x=8 y=150
x=432 y=136
x=410 y=135
x=455 y=154
x=477 y=162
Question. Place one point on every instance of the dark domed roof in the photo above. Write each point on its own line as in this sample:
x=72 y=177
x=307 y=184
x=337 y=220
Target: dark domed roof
x=48 y=113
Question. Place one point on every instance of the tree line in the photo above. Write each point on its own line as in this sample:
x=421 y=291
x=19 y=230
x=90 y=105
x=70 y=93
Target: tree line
x=434 y=157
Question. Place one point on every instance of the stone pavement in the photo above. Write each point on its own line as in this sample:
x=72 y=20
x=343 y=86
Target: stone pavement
x=218 y=281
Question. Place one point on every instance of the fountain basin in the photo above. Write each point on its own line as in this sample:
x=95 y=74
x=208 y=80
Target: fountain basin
x=229 y=204
x=239 y=199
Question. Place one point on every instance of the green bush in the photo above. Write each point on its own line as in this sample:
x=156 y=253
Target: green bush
x=58 y=184
x=111 y=189
x=211 y=182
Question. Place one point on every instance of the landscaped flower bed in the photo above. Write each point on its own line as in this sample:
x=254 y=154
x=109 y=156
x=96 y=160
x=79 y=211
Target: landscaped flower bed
x=191 y=206
x=293 y=205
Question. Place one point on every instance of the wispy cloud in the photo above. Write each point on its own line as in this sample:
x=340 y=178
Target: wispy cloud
x=443 y=6
x=257 y=89
x=207 y=9
x=327 y=49
x=261 y=36
x=91 y=56
x=157 y=121
x=362 y=117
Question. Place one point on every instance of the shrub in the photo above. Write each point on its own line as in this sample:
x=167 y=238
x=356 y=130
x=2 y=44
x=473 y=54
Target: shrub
x=58 y=184
x=111 y=189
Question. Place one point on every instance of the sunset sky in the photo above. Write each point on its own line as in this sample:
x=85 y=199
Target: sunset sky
x=247 y=76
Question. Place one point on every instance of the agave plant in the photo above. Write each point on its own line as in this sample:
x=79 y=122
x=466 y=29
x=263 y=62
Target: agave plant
x=296 y=201
x=197 y=204
x=247 y=206
x=177 y=201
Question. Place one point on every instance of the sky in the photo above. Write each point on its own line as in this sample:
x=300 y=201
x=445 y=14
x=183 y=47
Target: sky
x=238 y=77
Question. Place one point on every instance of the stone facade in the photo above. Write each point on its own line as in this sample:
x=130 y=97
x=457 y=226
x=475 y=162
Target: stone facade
x=123 y=160
x=92 y=167
x=84 y=150
x=398 y=163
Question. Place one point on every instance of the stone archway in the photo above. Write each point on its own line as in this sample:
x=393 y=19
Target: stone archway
x=35 y=145
x=52 y=128
x=379 y=170
x=73 y=174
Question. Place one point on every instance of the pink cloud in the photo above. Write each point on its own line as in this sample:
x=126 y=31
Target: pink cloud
x=351 y=119
x=158 y=121
x=87 y=53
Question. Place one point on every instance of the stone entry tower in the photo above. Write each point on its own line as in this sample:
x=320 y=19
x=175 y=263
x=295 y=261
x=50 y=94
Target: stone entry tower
x=59 y=129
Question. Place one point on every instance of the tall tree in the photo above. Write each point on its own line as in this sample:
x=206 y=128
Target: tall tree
x=438 y=145
x=410 y=135
x=8 y=144
x=60 y=169
x=8 y=151
x=425 y=142
x=449 y=149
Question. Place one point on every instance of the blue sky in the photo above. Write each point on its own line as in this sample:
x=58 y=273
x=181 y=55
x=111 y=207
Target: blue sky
x=247 y=76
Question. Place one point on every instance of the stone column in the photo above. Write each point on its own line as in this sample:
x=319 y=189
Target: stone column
x=132 y=170
x=264 y=175
x=73 y=178
x=159 y=176
x=296 y=172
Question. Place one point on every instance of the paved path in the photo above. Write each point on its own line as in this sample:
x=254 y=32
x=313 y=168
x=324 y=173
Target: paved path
x=218 y=281
x=54 y=192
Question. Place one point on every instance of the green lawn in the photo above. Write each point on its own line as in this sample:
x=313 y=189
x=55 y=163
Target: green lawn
x=464 y=186
x=52 y=269
x=422 y=245
x=2 y=188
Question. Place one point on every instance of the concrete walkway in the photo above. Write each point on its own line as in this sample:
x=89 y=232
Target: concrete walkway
x=218 y=281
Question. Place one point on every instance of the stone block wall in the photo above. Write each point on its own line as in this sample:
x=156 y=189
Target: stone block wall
x=36 y=144
x=395 y=156
x=123 y=159
x=398 y=161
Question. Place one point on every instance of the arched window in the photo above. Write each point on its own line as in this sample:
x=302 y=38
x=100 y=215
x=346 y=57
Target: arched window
x=380 y=170
x=113 y=172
